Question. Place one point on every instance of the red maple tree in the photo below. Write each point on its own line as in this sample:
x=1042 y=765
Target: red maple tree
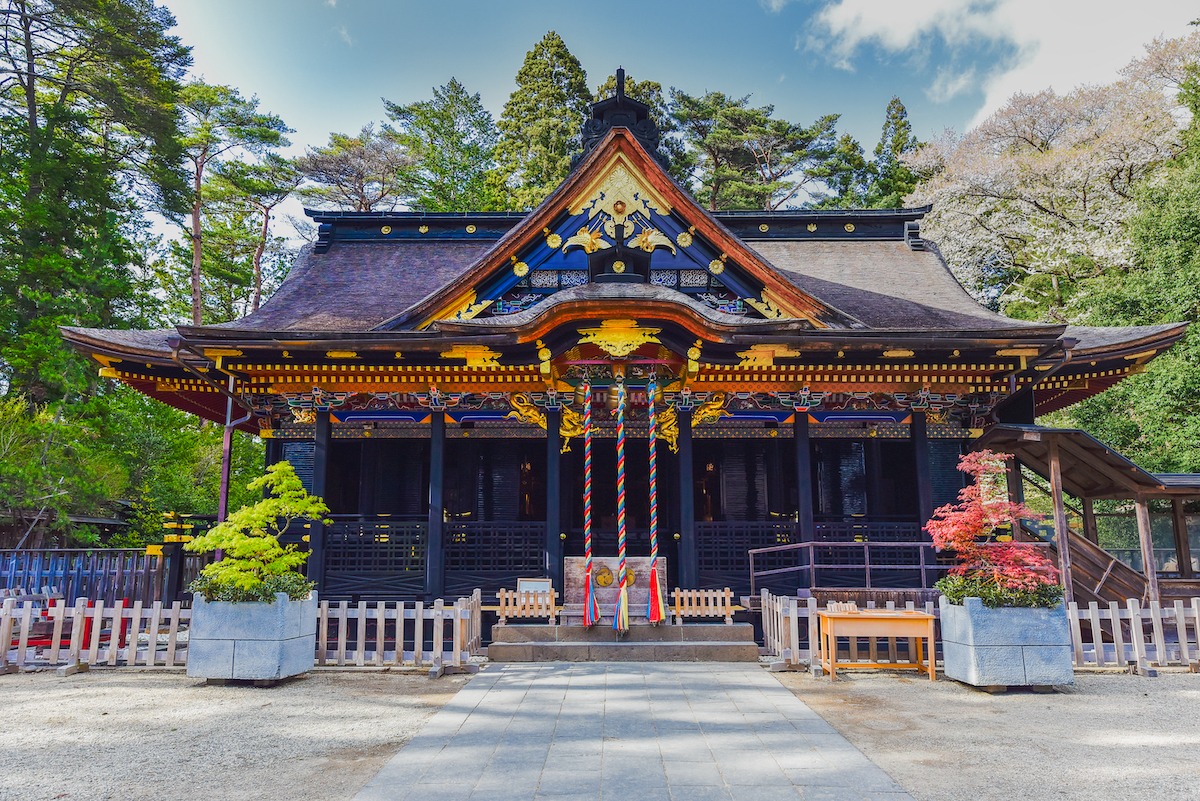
x=968 y=528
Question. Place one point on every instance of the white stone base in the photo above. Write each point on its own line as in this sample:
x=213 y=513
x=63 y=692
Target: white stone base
x=255 y=641
x=1008 y=646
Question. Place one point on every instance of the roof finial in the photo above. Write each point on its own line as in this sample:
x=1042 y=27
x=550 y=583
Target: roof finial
x=620 y=83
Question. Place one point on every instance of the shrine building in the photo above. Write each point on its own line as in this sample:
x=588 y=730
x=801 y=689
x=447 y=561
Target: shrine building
x=816 y=376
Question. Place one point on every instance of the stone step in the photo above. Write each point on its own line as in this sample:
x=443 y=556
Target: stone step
x=623 y=652
x=603 y=633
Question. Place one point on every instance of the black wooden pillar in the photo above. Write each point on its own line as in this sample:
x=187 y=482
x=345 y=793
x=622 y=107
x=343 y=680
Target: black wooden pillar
x=689 y=558
x=804 y=488
x=274 y=450
x=920 y=441
x=322 y=434
x=435 y=554
x=554 y=544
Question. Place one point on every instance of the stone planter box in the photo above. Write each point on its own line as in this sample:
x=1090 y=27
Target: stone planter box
x=1008 y=646
x=254 y=641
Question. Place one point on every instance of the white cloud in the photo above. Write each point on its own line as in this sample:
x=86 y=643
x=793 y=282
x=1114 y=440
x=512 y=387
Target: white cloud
x=774 y=6
x=331 y=3
x=344 y=35
x=950 y=83
x=1056 y=43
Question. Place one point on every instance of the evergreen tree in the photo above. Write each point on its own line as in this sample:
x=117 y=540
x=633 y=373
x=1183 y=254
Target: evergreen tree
x=749 y=159
x=452 y=140
x=356 y=173
x=847 y=176
x=893 y=180
x=258 y=187
x=219 y=121
x=88 y=129
x=541 y=124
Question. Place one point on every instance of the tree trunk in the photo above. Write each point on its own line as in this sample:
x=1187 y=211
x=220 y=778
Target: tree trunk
x=197 y=247
x=256 y=299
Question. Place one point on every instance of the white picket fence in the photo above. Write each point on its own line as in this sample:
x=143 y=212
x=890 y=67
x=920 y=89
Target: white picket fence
x=1149 y=635
x=388 y=634
x=790 y=625
x=151 y=636
x=359 y=635
x=1130 y=632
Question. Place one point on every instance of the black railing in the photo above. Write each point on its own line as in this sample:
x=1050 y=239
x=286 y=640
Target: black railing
x=491 y=555
x=108 y=574
x=863 y=563
x=374 y=559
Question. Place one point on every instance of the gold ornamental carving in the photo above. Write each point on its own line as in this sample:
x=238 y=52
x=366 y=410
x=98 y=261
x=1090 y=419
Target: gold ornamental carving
x=684 y=240
x=590 y=241
x=620 y=337
x=765 y=306
x=304 y=416
x=526 y=411
x=474 y=355
x=764 y=355
x=619 y=193
x=667 y=421
x=650 y=238
x=711 y=410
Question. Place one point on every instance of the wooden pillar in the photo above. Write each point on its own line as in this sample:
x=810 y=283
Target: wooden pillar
x=274 y=451
x=1146 y=539
x=322 y=434
x=226 y=458
x=1016 y=483
x=873 y=458
x=804 y=487
x=367 y=467
x=1090 y=529
x=1183 y=546
x=1062 y=536
x=689 y=564
x=554 y=544
x=920 y=440
x=435 y=555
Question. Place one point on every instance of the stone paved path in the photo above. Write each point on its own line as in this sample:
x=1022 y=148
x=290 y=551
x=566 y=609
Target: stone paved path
x=628 y=731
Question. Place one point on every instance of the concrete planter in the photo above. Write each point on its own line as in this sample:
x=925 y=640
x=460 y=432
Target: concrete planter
x=255 y=641
x=1008 y=646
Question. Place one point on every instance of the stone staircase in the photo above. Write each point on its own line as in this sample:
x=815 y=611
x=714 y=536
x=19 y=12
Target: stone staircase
x=692 y=642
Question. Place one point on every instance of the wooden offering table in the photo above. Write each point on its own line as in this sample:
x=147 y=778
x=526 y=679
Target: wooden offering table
x=902 y=624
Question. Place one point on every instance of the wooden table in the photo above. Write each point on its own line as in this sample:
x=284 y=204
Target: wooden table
x=902 y=624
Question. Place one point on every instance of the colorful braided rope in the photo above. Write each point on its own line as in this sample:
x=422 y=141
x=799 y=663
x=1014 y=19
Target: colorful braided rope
x=591 y=609
x=655 y=610
x=621 y=613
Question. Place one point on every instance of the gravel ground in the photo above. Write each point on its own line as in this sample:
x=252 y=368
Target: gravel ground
x=130 y=735
x=1111 y=736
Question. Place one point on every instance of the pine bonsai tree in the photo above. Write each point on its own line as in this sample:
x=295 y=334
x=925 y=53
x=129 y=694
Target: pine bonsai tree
x=255 y=565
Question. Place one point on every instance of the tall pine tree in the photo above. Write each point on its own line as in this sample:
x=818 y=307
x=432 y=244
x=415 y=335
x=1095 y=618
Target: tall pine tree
x=541 y=123
x=452 y=139
x=893 y=179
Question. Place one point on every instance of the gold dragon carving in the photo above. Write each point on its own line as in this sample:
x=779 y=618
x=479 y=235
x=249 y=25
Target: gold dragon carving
x=711 y=410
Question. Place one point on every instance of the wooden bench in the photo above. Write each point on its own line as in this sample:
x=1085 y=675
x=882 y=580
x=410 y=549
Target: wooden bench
x=520 y=604
x=702 y=603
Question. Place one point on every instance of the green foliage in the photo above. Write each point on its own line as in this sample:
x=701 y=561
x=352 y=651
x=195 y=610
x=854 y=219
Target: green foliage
x=955 y=588
x=293 y=585
x=356 y=173
x=249 y=539
x=452 y=139
x=219 y=123
x=892 y=179
x=541 y=124
x=749 y=159
x=1151 y=417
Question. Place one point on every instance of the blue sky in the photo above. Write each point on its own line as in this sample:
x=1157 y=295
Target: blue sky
x=323 y=65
